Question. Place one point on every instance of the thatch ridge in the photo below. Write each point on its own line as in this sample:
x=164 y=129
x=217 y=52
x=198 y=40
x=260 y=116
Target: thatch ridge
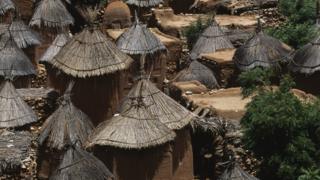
x=13 y=59
x=14 y=111
x=307 y=59
x=77 y=164
x=199 y=72
x=167 y=110
x=235 y=172
x=144 y=3
x=139 y=40
x=90 y=53
x=67 y=125
x=261 y=50
x=51 y=13
x=211 y=40
x=134 y=128
x=23 y=35
x=6 y=5
x=55 y=47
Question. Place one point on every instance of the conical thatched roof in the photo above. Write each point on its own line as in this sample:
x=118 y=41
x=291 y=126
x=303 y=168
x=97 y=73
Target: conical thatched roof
x=14 y=112
x=90 y=53
x=78 y=164
x=134 y=128
x=307 y=59
x=67 y=125
x=51 y=13
x=211 y=40
x=22 y=34
x=261 y=51
x=6 y=5
x=139 y=40
x=199 y=72
x=167 y=110
x=13 y=59
x=144 y=3
x=55 y=47
x=236 y=173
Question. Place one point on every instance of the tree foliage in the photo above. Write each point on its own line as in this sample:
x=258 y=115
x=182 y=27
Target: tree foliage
x=193 y=31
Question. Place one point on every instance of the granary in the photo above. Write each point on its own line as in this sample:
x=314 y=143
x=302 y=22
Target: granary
x=136 y=136
x=146 y=49
x=67 y=125
x=14 y=60
x=94 y=62
x=14 y=111
x=79 y=164
x=211 y=40
x=261 y=50
x=235 y=172
x=5 y=6
x=117 y=15
x=199 y=72
x=174 y=116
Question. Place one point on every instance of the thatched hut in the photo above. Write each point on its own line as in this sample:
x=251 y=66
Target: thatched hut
x=135 y=135
x=235 y=172
x=94 y=62
x=174 y=116
x=14 y=60
x=6 y=5
x=211 y=40
x=14 y=112
x=199 y=72
x=117 y=15
x=77 y=164
x=261 y=50
x=139 y=41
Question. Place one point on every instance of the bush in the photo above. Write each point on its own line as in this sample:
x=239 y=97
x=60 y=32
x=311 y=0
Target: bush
x=193 y=31
x=283 y=132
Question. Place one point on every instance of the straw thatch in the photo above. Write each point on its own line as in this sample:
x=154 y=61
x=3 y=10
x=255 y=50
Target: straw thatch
x=144 y=3
x=55 y=47
x=90 y=53
x=78 y=164
x=14 y=147
x=234 y=172
x=261 y=51
x=51 y=13
x=13 y=59
x=6 y=5
x=134 y=128
x=307 y=59
x=167 y=110
x=66 y=125
x=14 y=112
x=210 y=40
x=23 y=35
x=199 y=72
x=139 y=40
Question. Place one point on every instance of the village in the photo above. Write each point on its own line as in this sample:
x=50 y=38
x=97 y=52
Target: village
x=159 y=89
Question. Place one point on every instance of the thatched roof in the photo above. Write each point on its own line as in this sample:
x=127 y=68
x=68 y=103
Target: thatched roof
x=67 y=125
x=167 y=110
x=90 y=53
x=199 y=72
x=21 y=33
x=134 y=128
x=144 y=3
x=51 y=13
x=261 y=51
x=236 y=173
x=210 y=40
x=78 y=164
x=307 y=59
x=14 y=112
x=55 y=47
x=139 y=40
x=6 y=5
x=13 y=59
x=15 y=148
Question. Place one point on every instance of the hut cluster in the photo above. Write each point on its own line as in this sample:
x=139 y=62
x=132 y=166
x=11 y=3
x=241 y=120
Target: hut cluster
x=114 y=120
